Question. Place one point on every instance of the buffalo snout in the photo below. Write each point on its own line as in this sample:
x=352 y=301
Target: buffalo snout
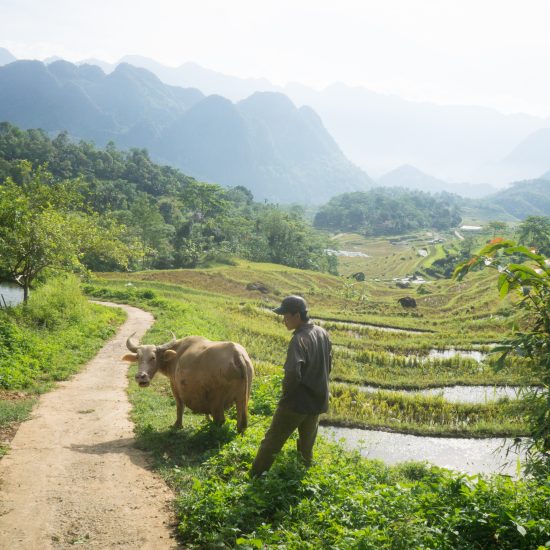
x=143 y=379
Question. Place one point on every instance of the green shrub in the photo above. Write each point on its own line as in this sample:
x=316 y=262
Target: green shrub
x=58 y=303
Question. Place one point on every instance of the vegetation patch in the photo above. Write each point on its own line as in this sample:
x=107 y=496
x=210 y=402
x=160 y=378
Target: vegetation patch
x=45 y=341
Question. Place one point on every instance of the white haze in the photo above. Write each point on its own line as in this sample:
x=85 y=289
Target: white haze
x=491 y=53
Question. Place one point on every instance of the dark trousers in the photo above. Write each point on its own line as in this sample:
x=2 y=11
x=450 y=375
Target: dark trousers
x=284 y=422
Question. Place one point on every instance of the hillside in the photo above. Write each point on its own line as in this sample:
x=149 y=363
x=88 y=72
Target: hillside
x=530 y=157
x=522 y=199
x=177 y=220
x=388 y=211
x=411 y=177
x=265 y=143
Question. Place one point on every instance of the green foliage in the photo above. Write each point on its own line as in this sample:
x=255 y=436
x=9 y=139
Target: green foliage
x=534 y=231
x=50 y=337
x=42 y=228
x=120 y=210
x=388 y=212
x=527 y=274
x=342 y=501
x=345 y=502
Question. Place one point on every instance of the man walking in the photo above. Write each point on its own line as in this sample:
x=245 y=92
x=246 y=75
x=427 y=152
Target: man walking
x=305 y=386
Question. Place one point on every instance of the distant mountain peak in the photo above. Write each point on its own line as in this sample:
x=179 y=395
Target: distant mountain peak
x=6 y=57
x=276 y=102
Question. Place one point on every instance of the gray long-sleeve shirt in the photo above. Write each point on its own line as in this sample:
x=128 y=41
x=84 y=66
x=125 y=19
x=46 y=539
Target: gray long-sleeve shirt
x=307 y=367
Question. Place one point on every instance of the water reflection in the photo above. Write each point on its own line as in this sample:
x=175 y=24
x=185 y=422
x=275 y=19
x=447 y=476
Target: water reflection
x=10 y=294
x=451 y=352
x=472 y=456
x=462 y=394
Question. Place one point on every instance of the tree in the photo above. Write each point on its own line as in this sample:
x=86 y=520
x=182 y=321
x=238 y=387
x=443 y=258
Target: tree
x=535 y=231
x=154 y=234
x=497 y=227
x=41 y=228
x=527 y=274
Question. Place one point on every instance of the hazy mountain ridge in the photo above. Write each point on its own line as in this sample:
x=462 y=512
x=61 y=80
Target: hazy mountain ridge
x=410 y=177
x=264 y=142
x=6 y=57
x=522 y=199
x=380 y=132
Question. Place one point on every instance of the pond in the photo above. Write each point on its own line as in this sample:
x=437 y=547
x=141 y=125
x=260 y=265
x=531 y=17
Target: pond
x=471 y=456
x=451 y=352
x=351 y=324
x=10 y=294
x=462 y=394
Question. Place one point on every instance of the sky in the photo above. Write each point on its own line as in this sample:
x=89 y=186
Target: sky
x=493 y=53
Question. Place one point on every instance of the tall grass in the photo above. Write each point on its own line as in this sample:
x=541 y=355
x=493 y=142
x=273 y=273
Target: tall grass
x=49 y=338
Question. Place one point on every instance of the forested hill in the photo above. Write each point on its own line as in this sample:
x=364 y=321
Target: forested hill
x=164 y=218
x=522 y=199
x=264 y=142
x=394 y=211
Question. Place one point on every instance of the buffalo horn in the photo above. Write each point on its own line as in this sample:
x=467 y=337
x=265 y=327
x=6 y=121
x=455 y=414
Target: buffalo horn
x=131 y=345
x=164 y=347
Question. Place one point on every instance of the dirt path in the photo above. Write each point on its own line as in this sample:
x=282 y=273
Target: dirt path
x=73 y=476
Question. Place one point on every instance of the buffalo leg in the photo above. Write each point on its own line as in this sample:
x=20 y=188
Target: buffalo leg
x=180 y=406
x=242 y=413
x=218 y=415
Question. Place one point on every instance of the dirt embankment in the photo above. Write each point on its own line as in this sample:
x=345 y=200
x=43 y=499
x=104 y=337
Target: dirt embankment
x=73 y=475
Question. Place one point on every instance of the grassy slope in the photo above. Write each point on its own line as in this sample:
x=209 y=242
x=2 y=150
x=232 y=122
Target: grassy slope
x=343 y=501
x=357 y=359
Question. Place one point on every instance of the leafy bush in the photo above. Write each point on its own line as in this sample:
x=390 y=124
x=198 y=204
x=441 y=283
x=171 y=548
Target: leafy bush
x=56 y=304
x=526 y=273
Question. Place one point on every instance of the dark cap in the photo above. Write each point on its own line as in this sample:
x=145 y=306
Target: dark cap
x=292 y=304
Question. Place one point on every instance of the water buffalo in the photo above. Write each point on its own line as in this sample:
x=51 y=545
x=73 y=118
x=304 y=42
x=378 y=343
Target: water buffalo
x=208 y=377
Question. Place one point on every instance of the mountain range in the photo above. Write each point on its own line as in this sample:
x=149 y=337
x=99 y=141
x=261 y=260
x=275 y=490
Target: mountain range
x=520 y=200
x=280 y=152
x=442 y=146
x=380 y=132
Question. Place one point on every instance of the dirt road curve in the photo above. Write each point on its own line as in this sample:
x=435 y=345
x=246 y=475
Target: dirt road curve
x=73 y=476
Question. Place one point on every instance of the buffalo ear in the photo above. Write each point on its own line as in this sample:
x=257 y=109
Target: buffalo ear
x=169 y=354
x=130 y=357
